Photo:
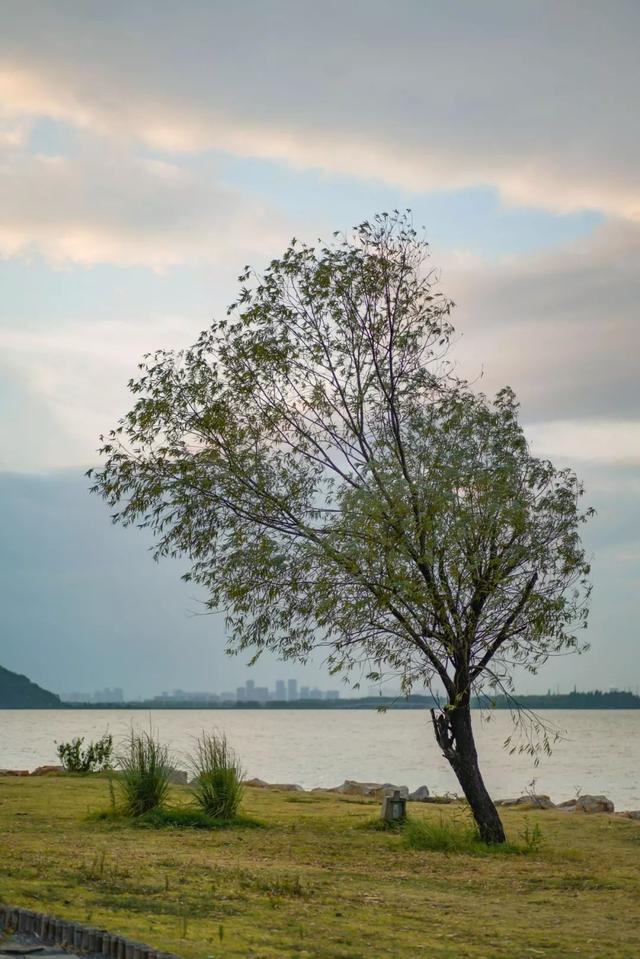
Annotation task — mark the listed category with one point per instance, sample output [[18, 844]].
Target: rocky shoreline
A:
[[588, 804], [350, 787]]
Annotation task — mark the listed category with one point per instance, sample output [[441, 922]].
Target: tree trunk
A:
[[455, 737]]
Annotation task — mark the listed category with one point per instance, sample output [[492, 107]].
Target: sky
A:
[[148, 150]]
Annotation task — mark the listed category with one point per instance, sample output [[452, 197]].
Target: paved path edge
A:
[[74, 936]]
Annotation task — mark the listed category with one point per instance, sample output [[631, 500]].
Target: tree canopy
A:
[[333, 484]]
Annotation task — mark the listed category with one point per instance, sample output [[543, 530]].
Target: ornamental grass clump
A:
[[217, 783], [145, 765]]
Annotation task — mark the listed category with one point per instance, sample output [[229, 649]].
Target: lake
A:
[[599, 751]]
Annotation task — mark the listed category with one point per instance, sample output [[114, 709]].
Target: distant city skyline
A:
[[282, 691]]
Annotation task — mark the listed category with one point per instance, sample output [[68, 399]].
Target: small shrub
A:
[[96, 757], [217, 786], [145, 765]]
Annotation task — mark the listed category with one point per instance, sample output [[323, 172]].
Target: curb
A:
[[75, 935]]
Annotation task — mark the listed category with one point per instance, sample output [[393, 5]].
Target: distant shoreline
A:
[[575, 700]]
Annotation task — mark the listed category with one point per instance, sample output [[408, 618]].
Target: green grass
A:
[[458, 836], [316, 884], [442, 835], [174, 817]]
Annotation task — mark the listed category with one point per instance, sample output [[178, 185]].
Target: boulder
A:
[[284, 787], [528, 802], [48, 771], [587, 804], [592, 804], [178, 777], [14, 772], [631, 814], [421, 794]]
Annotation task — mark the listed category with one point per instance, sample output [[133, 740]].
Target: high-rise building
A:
[[304, 692], [281, 690], [251, 691], [241, 694], [332, 694], [292, 688]]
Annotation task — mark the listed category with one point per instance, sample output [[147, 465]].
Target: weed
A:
[[531, 837], [281, 887]]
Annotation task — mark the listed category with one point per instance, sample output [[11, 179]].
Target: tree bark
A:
[[454, 735]]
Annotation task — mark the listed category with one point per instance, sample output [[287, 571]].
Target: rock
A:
[[588, 804], [284, 787], [48, 771], [14, 772], [593, 804], [528, 802], [350, 787], [388, 789], [178, 777], [630, 814], [421, 794]]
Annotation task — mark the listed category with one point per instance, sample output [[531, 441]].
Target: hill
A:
[[18, 692]]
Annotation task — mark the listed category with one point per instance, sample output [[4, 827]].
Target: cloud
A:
[[561, 327], [601, 441], [531, 98], [105, 206], [77, 372]]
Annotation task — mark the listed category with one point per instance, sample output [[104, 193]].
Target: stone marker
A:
[[394, 808]]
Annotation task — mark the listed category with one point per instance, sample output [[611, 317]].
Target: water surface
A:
[[600, 751]]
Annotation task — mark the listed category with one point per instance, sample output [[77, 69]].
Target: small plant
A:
[[217, 785], [531, 837], [96, 757], [145, 765]]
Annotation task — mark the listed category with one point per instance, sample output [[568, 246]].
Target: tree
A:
[[333, 484]]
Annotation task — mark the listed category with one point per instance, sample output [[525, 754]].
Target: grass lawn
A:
[[316, 882]]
